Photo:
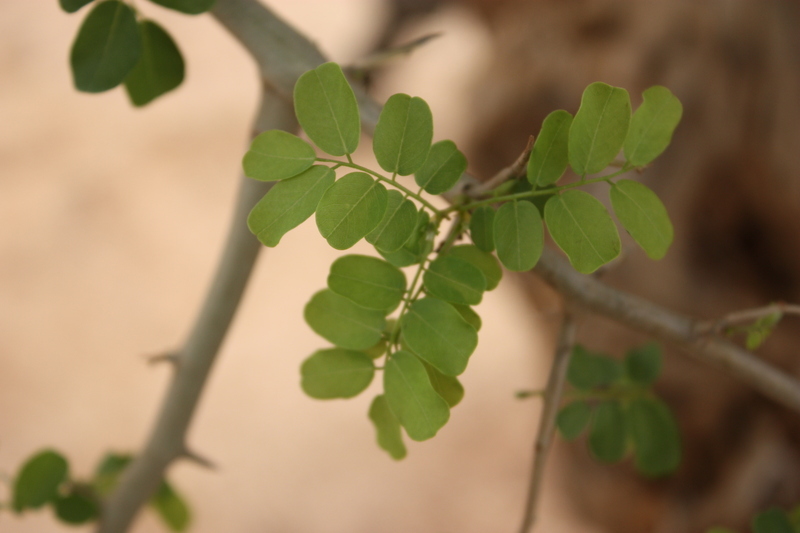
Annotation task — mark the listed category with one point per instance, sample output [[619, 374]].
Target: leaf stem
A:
[[406, 302]]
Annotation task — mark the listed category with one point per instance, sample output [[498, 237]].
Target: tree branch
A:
[[547, 422]]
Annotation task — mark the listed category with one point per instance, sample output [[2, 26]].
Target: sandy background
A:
[[111, 219]]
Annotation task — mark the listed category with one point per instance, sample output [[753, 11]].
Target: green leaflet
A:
[[607, 435], [599, 128], [71, 6], [588, 370], [454, 280], [643, 215], [443, 167], [652, 125], [38, 480], [397, 225], [481, 228], [288, 204], [573, 418], [448, 387], [655, 437], [171, 507], [518, 235], [336, 373], [485, 262], [342, 322], [76, 507], [583, 229], [350, 209], [773, 520], [106, 48], [189, 7], [276, 155], [472, 318], [436, 332], [643, 364], [403, 134], [327, 110], [549, 157], [159, 69], [416, 248], [387, 428], [368, 281], [411, 397], [108, 471]]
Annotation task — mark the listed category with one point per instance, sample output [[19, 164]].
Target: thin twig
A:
[[747, 315], [547, 422], [199, 460], [516, 170], [381, 57]]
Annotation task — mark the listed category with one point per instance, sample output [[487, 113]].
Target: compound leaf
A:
[[189, 7], [599, 128], [336, 373], [655, 436], [435, 331], [387, 427], [443, 167], [76, 507], [416, 248], [327, 110], [289, 203], [485, 262], [159, 69], [403, 134], [38, 480], [106, 48], [342, 322], [397, 225], [171, 507], [643, 364], [367, 281], [71, 6], [588, 370], [481, 228], [518, 235], [583, 229], [643, 215], [350, 209], [412, 398], [276, 155], [607, 435], [573, 418], [550, 157], [652, 125], [454, 280]]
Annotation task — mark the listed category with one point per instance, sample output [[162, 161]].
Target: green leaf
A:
[[108, 471], [588, 370], [454, 280], [403, 134], [550, 156], [412, 398], [655, 436], [607, 435], [71, 6], [599, 128], [76, 507], [518, 235], [342, 322], [773, 520], [416, 248], [435, 331], [643, 364], [171, 507], [485, 262], [448, 387], [573, 418], [442, 169], [38, 480], [643, 215], [289, 203], [106, 48], [327, 110], [350, 209], [189, 7], [652, 125], [472, 318], [336, 373], [481, 228], [387, 427], [583, 229], [277, 155], [159, 69], [397, 225], [368, 281]]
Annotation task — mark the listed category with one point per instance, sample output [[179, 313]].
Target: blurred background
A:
[[113, 217]]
